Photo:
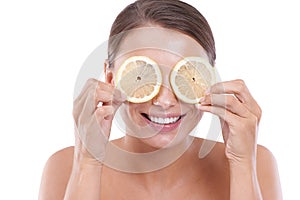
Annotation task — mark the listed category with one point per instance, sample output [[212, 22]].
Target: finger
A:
[[87, 109], [228, 102], [223, 113], [108, 94], [118, 96], [103, 93], [89, 83], [87, 92], [104, 113], [93, 139], [98, 122], [111, 97], [104, 86], [225, 129], [105, 97], [236, 87], [240, 90]]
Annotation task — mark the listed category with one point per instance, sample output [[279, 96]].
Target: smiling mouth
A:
[[162, 120]]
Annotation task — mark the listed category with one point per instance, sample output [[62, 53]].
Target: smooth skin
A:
[[236, 169]]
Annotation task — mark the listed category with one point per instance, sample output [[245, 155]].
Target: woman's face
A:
[[164, 120]]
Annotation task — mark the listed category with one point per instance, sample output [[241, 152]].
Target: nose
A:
[[165, 98]]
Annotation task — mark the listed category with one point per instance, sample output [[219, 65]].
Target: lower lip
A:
[[164, 127]]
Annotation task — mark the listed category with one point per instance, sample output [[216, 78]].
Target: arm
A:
[[255, 179], [243, 182], [84, 183], [92, 129], [240, 114], [268, 175]]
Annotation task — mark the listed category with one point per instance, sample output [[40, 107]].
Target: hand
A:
[[93, 122], [239, 114]]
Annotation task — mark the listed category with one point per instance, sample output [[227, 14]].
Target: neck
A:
[[120, 157], [173, 177], [164, 168]]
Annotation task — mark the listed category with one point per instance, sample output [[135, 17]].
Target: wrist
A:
[[247, 164], [87, 166], [83, 160], [243, 181], [244, 161], [84, 182], [245, 169]]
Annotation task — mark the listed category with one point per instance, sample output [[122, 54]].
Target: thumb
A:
[[225, 129]]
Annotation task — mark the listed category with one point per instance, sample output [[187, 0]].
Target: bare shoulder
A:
[[267, 170], [265, 160], [267, 173], [56, 174]]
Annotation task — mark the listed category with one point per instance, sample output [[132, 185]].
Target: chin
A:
[[164, 140]]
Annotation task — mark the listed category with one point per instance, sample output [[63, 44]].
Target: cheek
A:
[[192, 119], [133, 112], [197, 116], [132, 109]]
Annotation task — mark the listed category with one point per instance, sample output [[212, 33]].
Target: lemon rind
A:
[[156, 87], [175, 71]]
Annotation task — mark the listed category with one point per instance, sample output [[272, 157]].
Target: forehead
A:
[[165, 46]]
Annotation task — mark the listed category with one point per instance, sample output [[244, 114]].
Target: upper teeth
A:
[[160, 120]]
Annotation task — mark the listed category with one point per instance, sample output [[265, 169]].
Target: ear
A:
[[109, 75]]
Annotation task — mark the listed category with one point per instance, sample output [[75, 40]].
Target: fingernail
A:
[[201, 99], [198, 105]]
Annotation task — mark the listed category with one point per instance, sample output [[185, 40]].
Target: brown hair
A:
[[171, 14]]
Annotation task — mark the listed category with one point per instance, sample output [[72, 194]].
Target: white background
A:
[[43, 45]]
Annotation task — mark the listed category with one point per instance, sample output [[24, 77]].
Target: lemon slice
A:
[[190, 78], [139, 78]]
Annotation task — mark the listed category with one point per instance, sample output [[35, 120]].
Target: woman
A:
[[165, 31]]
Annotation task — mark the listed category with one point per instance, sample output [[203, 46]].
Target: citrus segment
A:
[[190, 78], [139, 78]]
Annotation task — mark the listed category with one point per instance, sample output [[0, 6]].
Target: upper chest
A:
[[212, 186]]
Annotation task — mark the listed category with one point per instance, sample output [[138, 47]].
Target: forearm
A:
[[244, 183], [84, 183]]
